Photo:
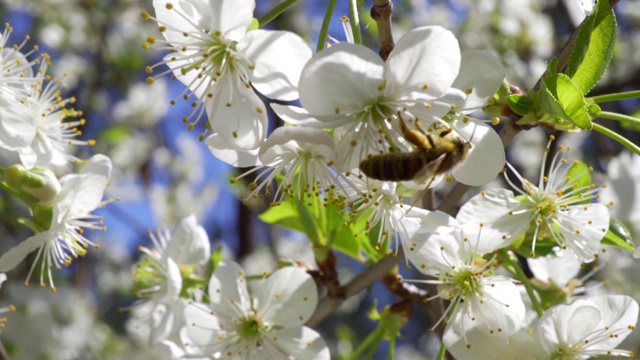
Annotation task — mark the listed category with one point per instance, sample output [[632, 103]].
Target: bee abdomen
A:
[[395, 166]]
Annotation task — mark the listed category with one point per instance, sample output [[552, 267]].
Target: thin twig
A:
[[381, 13]]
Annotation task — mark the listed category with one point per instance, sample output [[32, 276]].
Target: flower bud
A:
[[38, 185]]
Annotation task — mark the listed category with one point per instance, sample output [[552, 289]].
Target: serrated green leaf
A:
[[520, 104], [588, 65], [561, 98], [618, 235]]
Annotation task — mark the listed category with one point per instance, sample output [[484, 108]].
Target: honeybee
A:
[[434, 154]]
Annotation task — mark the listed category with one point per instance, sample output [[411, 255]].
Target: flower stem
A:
[[325, 25], [279, 9], [373, 338], [442, 352], [617, 137], [355, 21], [616, 97], [514, 268], [619, 117]]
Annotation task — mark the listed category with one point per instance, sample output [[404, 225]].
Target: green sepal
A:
[[42, 216], [254, 25], [618, 236], [579, 175]]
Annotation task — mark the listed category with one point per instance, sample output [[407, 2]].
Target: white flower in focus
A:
[[65, 238], [588, 328], [49, 113], [267, 324], [381, 203], [215, 56], [350, 88], [15, 69], [302, 156], [485, 309], [556, 208]]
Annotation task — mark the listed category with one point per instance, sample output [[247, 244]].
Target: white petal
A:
[[342, 78], [293, 140], [435, 244], [237, 114], [619, 314], [202, 332], [189, 244], [287, 298], [481, 329], [497, 211], [560, 269], [15, 255], [82, 193], [297, 343], [583, 226], [567, 324], [228, 295], [482, 72], [299, 116], [231, 17], [17, 126], [238, 158], [173, 19], [523, 346], [427, 55], [278, 57], [173, 284], [486, 157]]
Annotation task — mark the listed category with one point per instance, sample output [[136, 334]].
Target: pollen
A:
[[468, 91], [425, 86]]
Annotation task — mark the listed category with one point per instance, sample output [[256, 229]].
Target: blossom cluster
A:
[[40, 129], [366, 136], [369, 133]]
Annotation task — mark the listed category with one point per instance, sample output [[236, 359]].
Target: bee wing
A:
[[430, 171]]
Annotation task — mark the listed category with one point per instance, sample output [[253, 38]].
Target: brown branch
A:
[[328, 304], [381, 13]]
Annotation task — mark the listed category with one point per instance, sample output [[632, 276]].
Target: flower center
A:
[[250, 327]]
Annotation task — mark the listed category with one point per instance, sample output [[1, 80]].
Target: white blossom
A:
[[267, 324], [65, 239], [485, 309], [556, 208], [215, 56]]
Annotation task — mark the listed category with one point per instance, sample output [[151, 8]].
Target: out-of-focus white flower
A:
[[556, 208], [588, 327], [623, 191], [144, 106], [65, 240], [221, 62], [266, 324], [51, 326], [485, 309], [158, 276]]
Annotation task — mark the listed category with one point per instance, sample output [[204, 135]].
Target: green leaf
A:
[[588, 61], [618, 235], [561, 98], [114, 135], [579, 175], [520, 104], [324, 224]]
